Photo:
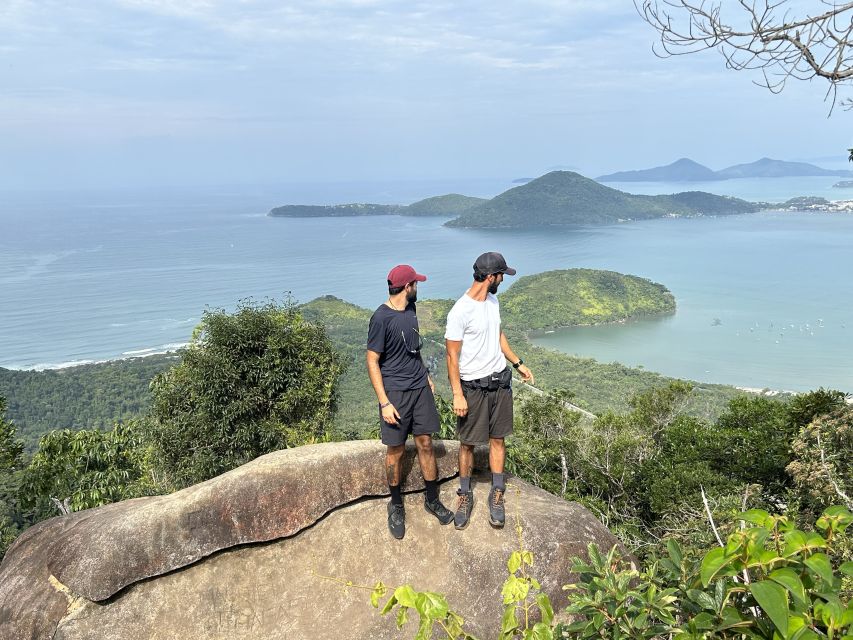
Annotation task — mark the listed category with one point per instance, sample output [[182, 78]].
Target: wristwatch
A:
[[382, 405], [516, 365]]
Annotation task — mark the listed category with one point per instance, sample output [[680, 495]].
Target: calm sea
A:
[[764, 300]]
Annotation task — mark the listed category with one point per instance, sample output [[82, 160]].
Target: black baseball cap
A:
[[492, 262]]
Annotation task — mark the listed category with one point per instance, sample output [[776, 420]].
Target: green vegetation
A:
[[644, 471], [452, 204], [770, 581], [11, 463], [249, 383], [77, 470], [335, 210], [92, 396], [803, 202], [581, 296], [568, 198]]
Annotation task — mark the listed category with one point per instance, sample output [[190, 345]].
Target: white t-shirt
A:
[[478, 326]]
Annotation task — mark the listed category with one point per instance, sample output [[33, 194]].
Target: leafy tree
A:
[[805, 407], [11, 448], [544, 436], [75, 470], [249, 383], [755, 433], [821, 467], [11, 459]]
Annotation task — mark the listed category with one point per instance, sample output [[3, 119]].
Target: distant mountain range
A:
[[559, 198], [686, 170]]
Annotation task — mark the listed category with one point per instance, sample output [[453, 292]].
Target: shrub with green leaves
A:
[[85, 469], [770, 581], [251, 382]]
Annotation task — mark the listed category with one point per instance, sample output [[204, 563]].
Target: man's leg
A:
[[426, 457], [429, 469], [396, 514], [500, 426], [497, 456], [393, 460], [466, 466], [465, 502]]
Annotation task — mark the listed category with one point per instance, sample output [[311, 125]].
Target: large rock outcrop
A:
[[249, 554]]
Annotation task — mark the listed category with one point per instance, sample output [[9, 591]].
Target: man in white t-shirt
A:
[[477, 351]]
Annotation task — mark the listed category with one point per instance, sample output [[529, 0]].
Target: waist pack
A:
[[491, 382]]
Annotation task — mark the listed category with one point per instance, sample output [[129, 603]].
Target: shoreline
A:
[[138, 354]]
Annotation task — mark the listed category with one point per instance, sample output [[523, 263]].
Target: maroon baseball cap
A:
[[403, 274]]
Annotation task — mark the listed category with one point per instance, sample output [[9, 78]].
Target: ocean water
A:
[[764, 300]]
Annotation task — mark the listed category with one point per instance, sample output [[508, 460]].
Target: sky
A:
[[129, 93]]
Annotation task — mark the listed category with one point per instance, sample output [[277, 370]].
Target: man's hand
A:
[[390, 415], [431, 384], [526, 374], [460, 405]]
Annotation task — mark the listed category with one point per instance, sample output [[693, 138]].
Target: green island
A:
[[655, 460], [564, 198], [451, 204]]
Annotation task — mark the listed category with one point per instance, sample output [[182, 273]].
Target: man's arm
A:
[[509, 354], [460, 404], [389, 412]]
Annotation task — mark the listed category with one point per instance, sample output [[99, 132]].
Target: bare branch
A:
[[765, 38], [710, 517]]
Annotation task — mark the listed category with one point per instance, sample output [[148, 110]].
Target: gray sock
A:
[[498, 481], [465, 484]]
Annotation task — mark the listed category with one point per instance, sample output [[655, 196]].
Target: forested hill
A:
[[568, 198], [587, 296], [451, 204], [92, 396]]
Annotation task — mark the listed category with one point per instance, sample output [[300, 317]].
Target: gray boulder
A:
[[260, 552]]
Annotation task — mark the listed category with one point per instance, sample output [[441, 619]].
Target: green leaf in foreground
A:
[[773, 600]]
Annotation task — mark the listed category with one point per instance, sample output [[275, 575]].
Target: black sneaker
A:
[[437, 509], [396, 520], [463, 508], [497, 515]]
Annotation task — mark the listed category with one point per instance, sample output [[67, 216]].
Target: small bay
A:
[[764, 300]]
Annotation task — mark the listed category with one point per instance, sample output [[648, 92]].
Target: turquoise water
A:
[[87, 277]]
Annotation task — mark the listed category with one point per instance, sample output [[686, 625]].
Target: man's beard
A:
[[493, 288], [412, 297]]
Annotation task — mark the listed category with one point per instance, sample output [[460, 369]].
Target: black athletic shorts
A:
[[418, 416], [489, 415]]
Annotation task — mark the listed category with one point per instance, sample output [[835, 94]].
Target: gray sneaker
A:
[[464, 505], [437, 509], [497, 515], [396, 520]]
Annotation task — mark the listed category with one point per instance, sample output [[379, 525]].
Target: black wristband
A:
[[516, 365]]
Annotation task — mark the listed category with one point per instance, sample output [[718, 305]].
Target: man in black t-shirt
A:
[[405, 392]]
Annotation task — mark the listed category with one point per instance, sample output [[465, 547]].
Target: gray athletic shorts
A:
[[489, 416], [418, 416]]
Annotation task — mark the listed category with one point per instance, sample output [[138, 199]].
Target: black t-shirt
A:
[[394, 335]]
